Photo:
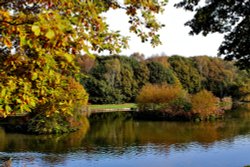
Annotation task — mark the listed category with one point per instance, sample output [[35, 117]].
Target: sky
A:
[[174, 36]]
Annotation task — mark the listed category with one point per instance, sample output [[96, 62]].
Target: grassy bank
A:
[[112, 106]]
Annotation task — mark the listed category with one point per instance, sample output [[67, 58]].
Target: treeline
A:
[[118, 79]]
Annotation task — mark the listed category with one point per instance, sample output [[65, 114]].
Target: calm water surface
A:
[[115, 140]]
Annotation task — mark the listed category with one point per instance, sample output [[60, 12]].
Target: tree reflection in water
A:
[[118, 134]]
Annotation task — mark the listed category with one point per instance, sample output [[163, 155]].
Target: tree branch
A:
[[16, 24]]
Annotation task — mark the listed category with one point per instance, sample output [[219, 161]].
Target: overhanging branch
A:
[[16, 24]]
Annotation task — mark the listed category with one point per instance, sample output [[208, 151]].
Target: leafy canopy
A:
[[39, 43], [230, 17]]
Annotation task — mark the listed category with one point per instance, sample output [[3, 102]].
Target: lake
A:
[[116, 140]]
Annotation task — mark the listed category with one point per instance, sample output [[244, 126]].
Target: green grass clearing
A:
[[113, 106]]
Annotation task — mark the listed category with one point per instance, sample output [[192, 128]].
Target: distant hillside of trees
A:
[[118, 79]]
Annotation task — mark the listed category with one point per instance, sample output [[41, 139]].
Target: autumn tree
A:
[[229, 17], [218, 76], [39, 42], [163, 97], [160, 59], [204, 108]]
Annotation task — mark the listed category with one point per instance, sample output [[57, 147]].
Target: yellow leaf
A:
[[68, 57], [3, 92], [36, 30], [32, 103], [34, 76], [50, 34], [7, 108]]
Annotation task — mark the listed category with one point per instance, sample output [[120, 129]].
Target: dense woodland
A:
[[119, 79]]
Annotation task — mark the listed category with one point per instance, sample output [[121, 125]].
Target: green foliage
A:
[[118, 79], [128, 85], [240, 90], [181, 104], [104, 80], [218, 76], [186, 73], [101, 92], [134, 75], [228, 17], [244, 92], [115, 79], [139, 70], [159, 73]]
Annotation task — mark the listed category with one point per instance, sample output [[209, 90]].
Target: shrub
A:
[[204, 104], [161, 97], [181, 104]]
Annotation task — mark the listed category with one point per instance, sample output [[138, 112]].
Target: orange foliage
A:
[[160, 59], [159, 94], [204, 103]]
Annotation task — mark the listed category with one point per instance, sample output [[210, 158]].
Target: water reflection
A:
[[116, 139], [121, 133], [14, 142]]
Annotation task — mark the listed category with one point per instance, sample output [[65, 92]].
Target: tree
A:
[[138, 56], [115, 79], [218, 76], [204, 108], [104, 80], [38, 71], [230, 17], [241, 89], [187, 74], [159, 73], [100, 92], [160, 59]]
